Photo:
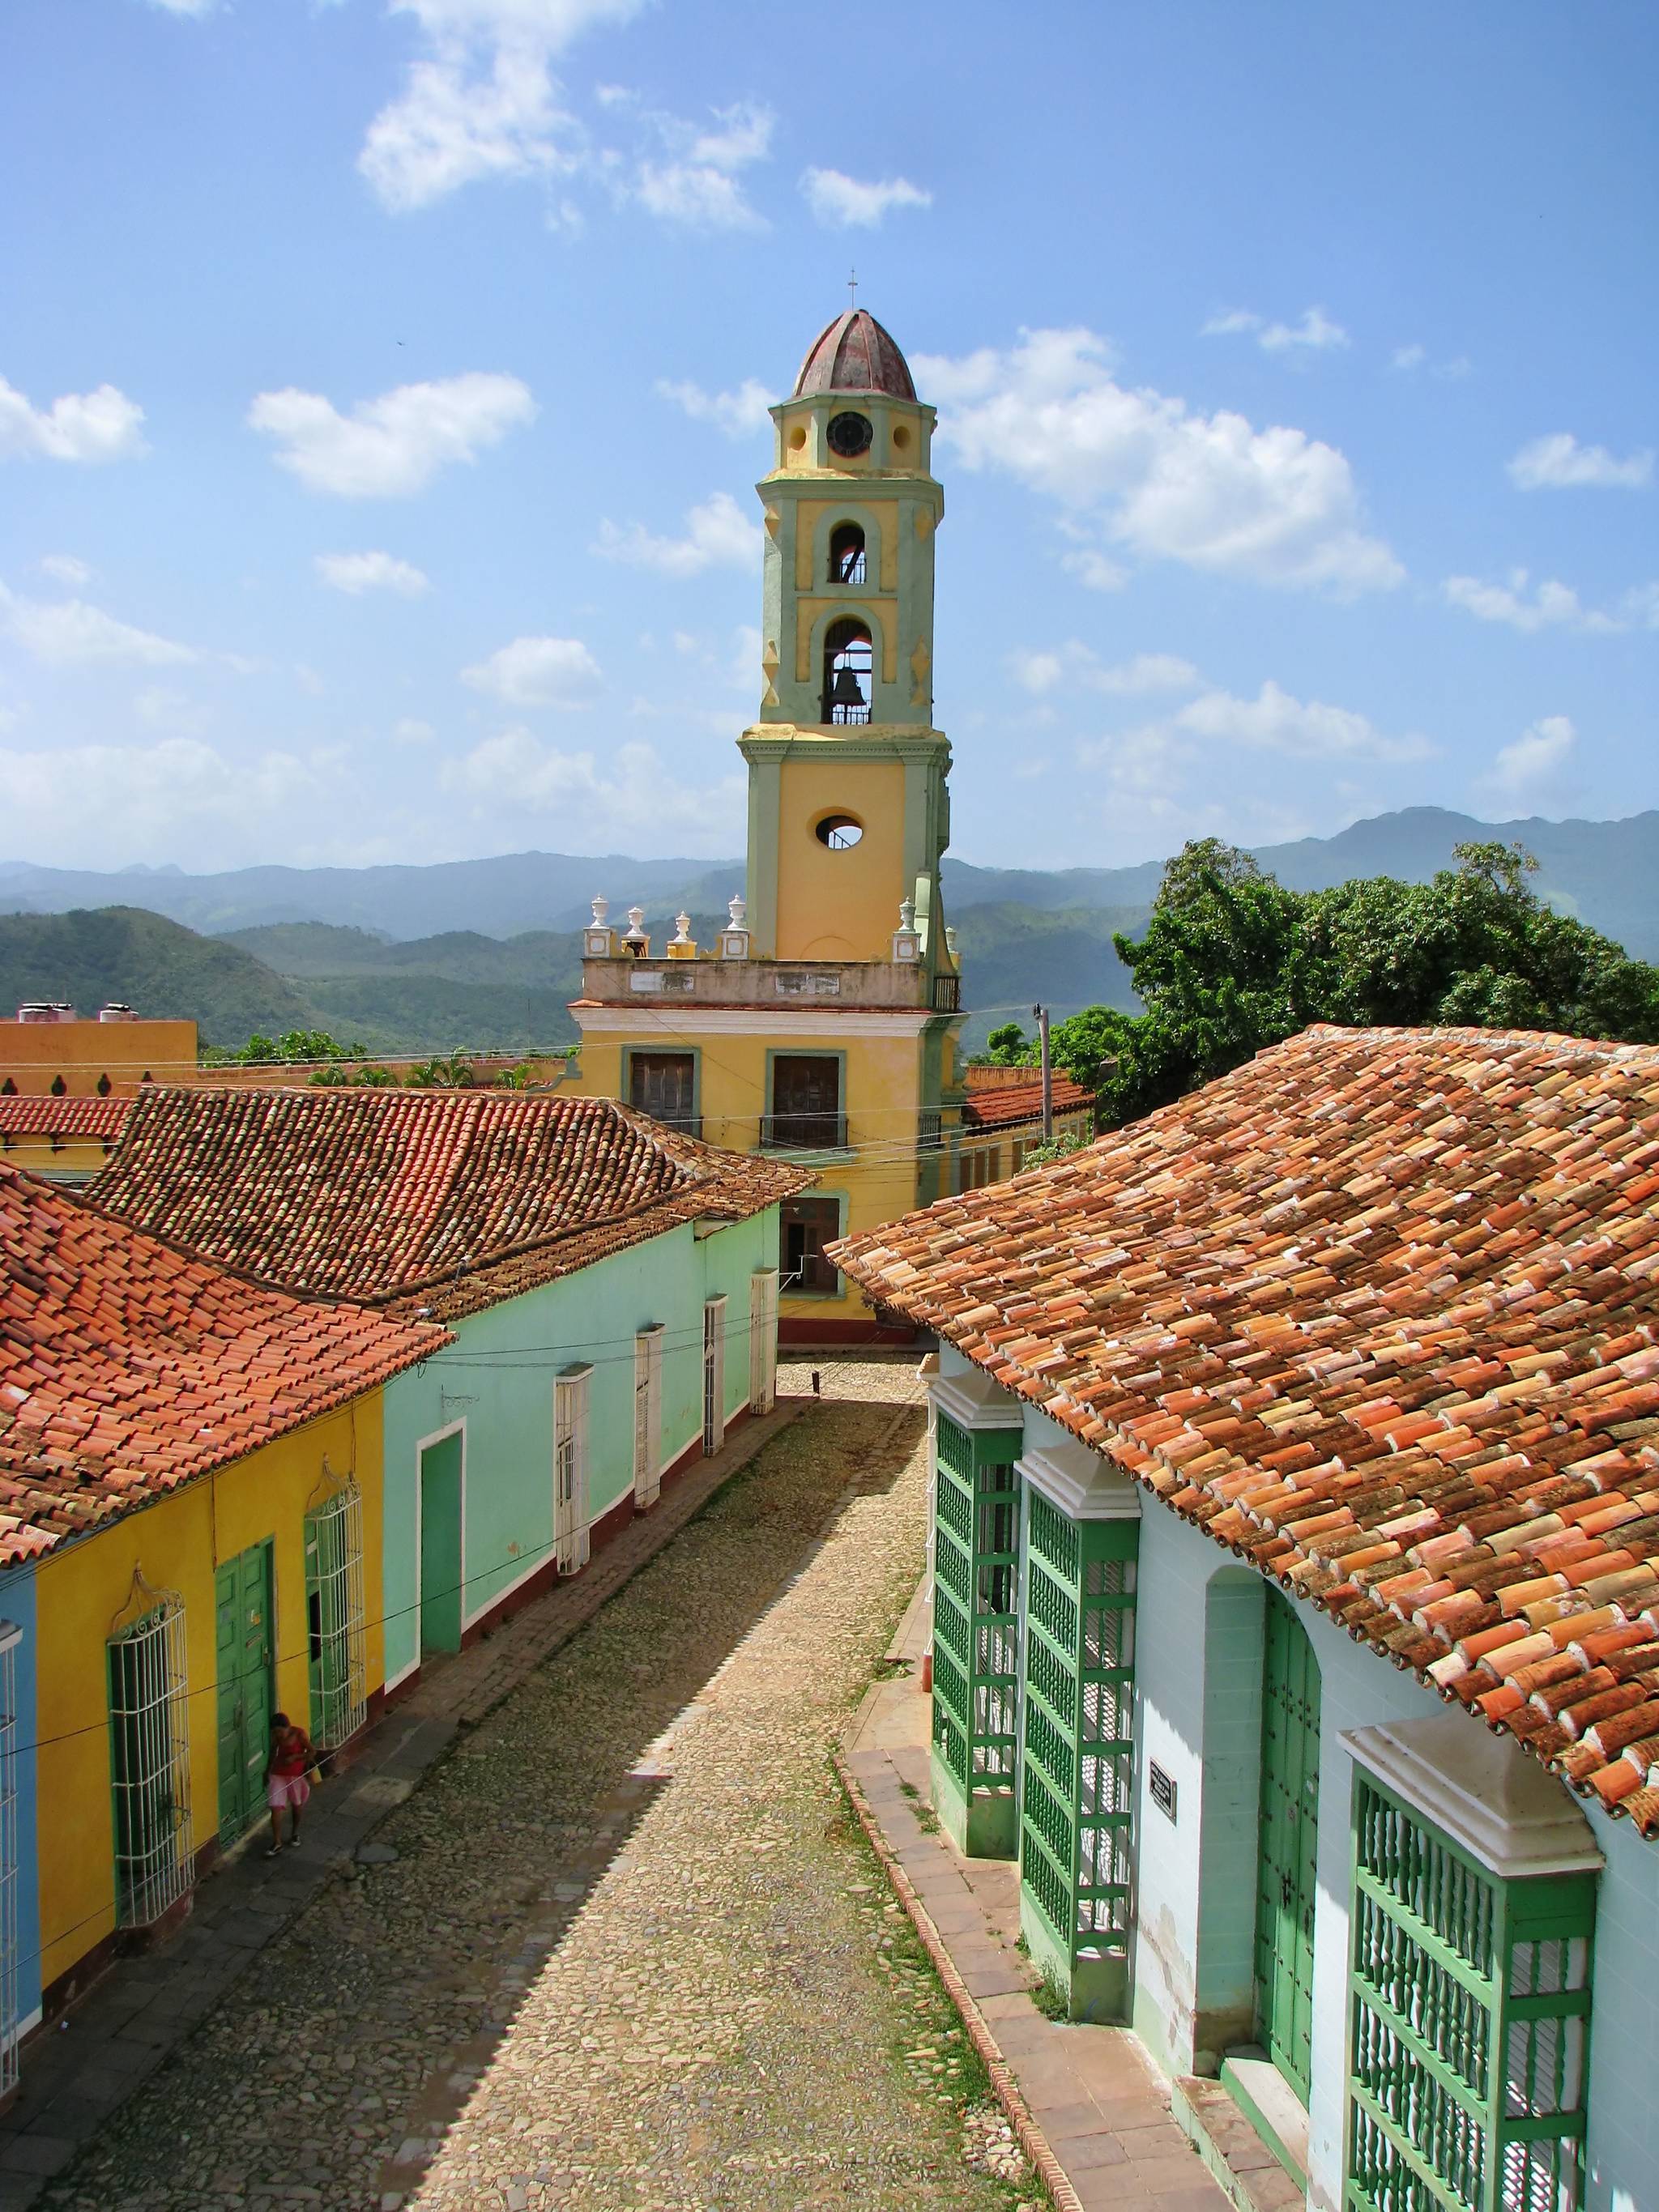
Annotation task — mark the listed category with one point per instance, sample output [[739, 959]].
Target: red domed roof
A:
[[854, 354]]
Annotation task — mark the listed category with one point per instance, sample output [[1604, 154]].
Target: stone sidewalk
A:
[[1094, 2117], [77, 2074]]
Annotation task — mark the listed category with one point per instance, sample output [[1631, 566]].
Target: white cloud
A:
[[1551, 606], [1315, 331], [538, 672], [1274, 722], [1091, 568], [68, 633], [596, 802], [1410, 358], [1640, 607], [67, 568], [113, 804], [1076, 666], [370, 572], [1561, 463], [1531, 768], [81, 426], [185, 7], [393, 446], [413, 732], [481, 99], [716, 533], [739, 414], [843, 202], [699, 186], [1155, 477]]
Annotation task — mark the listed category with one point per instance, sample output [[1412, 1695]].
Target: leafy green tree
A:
[[1232, 962], [1007, 1047]]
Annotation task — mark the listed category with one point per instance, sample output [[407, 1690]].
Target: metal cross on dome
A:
[[852, 286]]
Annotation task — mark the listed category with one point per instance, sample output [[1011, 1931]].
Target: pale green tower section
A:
[[844, 748]]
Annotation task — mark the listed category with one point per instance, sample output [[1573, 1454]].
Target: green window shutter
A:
[[1077, 1801], [1470, 1998], [975, 1632]]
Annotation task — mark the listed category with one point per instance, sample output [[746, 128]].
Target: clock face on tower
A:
[[850, 435]]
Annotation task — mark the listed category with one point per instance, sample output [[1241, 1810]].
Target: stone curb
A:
[[1032, 2140]]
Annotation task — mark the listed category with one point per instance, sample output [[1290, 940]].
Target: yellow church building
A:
[[823, 1021]]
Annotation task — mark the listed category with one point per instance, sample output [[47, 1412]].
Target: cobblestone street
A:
[[623, 1948]]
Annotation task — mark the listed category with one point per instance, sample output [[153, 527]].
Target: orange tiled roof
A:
[[39, 1115], [127, 1367], [1380, 1312], [447, 1201], [988, 1108]]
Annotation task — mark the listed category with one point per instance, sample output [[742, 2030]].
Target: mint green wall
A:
[[504, 1361]]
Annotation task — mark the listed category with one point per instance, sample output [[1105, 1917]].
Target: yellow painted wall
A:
[[883, 1090], [840, 905], [71, 1155], [32, 1053], [179, 1542]]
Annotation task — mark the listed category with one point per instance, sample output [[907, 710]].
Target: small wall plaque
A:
[[1162, 1788]]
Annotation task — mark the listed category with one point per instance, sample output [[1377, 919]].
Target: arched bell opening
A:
[[848, 671], [847, 562]]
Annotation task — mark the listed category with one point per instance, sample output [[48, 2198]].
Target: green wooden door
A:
[[1289, 1820], [243, 1621]]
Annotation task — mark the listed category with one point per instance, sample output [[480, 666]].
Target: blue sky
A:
[[381, 397]]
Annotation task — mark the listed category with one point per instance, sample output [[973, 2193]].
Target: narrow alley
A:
[[620, 1948]]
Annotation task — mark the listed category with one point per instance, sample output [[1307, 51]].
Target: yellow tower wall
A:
[[85, 1589], [839, 905]]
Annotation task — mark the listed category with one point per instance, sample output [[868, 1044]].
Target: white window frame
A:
[[714, 1375], [570, 1437], [147, 1886], [763, 1339], [648, 1415], [345, 1615]]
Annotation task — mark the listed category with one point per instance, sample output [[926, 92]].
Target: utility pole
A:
[[1041, 1014]]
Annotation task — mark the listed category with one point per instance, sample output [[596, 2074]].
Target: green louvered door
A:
[[242, 1607], [1289, 1819]]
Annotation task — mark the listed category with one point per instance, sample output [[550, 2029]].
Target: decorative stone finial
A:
[[601, 911], [738, 907], [907, 914], [682, 929], [636, 917], [951, 939]]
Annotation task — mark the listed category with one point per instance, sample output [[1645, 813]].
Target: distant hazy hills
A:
[[351, 949]]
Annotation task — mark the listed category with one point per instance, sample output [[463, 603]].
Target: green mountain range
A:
[[345, 950]]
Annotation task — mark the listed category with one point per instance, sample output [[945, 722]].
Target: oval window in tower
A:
[[840, 832]]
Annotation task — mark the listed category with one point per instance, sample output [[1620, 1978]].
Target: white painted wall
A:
[[1624, 2129]]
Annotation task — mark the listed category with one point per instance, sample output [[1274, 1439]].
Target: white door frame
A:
[[763, 1339], [714, 1375]]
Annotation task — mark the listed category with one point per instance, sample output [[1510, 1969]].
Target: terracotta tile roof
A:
[[441, 1201], [127, 1367], [1007, 1105], [1380, 1312], [39, 1115]]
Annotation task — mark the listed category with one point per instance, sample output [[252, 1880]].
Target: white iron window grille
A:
[[11, 1637], [763, 1339], [648, 1415], [570, 1535], [149, 1758], [336, 1616], [713, 1376]]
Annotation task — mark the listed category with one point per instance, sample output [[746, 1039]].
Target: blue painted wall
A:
[[496, 1385], [17, 1605]]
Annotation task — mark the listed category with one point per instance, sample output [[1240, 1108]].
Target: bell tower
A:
[[849, 812]]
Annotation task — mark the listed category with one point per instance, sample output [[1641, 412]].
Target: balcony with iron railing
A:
[[707, 980]]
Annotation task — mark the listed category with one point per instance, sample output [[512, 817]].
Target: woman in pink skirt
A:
[[285, 1779]]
